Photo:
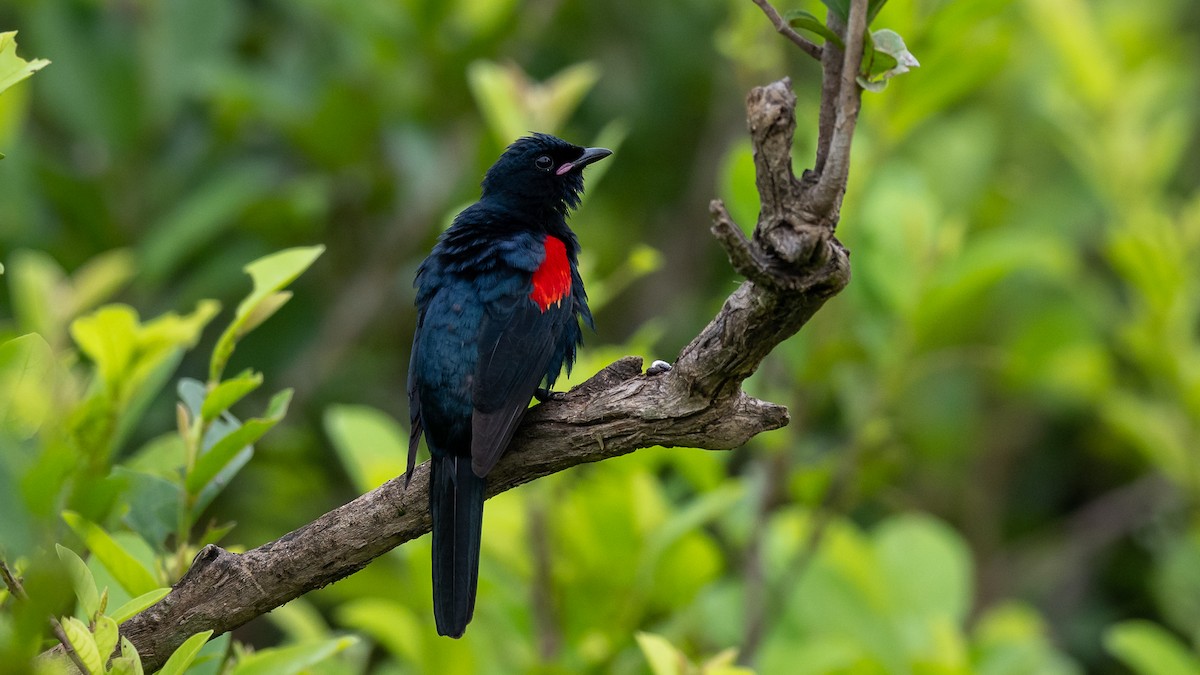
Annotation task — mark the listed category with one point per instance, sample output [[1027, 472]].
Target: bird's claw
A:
[[658, 368], [543, 394]]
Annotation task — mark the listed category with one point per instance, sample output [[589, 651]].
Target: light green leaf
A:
[[512, 103], [106, 636], [494, 90], [927, 567], [108, 337], [1149, 649], [123, 566], [211, 659], [36, 280], [138, 604], [290, 660], [663, 657], [300, 621], [723, 663], [99, 278], [128, 651], [388, 623], [229, 392], [263, 311], [126, 352], [13, 68], [884, 56], [182, 658], [84, 645], [81, 579], [26, 369], [269, 275], [552, 103], [371, 445], [209, 464]]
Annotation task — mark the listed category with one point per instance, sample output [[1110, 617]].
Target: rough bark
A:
[[792, 263]]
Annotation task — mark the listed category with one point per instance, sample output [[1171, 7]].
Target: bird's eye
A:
[[544, 163]]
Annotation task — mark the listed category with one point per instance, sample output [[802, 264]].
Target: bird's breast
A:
[[552, 278]]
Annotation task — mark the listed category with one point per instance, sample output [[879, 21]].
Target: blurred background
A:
[[993, 464]]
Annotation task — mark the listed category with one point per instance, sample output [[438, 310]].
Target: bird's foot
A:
[[658, 368], [542, 394]]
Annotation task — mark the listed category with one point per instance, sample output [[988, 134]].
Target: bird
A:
[[500, 308]]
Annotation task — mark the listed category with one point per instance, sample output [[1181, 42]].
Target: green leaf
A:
[[798, 18], [371, 445], [269, 275], [124, 567], [209, 464], [926, 565], [13, 68], [663, 657], [154, 503], [229, 392], [290, 660], [26, 370], [211, 659], [128, 353], [84, 644], [842, 8], [884, 56], [81, 579], [109, 338], [263, 311], [36, 281], [99, 278], [390, 624], [182, 658], [139, 604], [128, 651], [512, 103], [1150, 649], [106, 636]]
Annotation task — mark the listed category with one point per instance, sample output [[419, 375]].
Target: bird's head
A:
[[540, 172]]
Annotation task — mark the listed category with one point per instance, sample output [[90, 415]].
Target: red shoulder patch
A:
[[552, 279]]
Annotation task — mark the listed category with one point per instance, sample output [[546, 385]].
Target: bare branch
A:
[[831, 185], [810, 48]]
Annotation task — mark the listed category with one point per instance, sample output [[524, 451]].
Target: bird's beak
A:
[[589, 155]]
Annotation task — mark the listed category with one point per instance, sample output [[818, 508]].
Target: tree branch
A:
[[794, 263], [833, 173], [810, 48]]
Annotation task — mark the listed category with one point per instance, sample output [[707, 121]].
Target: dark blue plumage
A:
[[499, 301]]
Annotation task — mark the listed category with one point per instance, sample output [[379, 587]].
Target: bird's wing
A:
[[518, 339]]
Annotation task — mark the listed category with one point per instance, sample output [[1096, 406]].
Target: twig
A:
[[810, 48], [18, 592], [831, 184]]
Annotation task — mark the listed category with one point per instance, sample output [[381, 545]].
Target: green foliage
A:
[[1147, 648], [1003, 403], [13, 68], [160, 490]]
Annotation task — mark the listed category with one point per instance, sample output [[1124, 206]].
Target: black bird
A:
[[499, 303]]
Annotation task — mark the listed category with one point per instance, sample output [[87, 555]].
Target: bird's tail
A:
[[456, 504]]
